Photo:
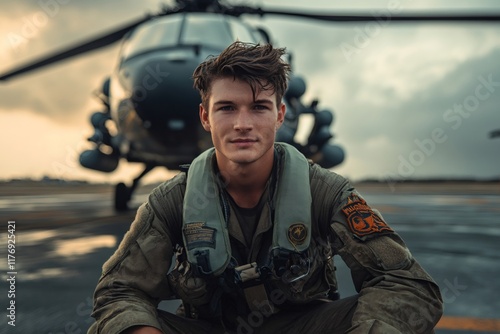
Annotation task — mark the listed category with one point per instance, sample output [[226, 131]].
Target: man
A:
[[256, 226]]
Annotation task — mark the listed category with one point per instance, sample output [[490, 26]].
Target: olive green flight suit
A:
[[395, 294]]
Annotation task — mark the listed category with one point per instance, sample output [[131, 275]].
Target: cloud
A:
[[393, 90], [462, 147], [38, 28]]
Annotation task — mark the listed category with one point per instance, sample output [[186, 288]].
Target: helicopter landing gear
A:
[[123, 194]]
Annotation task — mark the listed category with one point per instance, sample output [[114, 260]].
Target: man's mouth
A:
[[243, 140]]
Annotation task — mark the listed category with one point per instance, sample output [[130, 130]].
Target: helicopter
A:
[[149, 95]]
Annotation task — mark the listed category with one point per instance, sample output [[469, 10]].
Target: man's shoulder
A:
[[320, 176], [175, 186], [166, 200]]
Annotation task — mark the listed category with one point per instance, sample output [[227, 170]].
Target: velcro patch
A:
[[361, 219], [199, 235], [297, 234]]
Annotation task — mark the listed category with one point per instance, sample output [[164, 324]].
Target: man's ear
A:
[[204, 118], [281, 115]]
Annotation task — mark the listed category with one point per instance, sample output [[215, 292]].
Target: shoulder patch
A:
[[361, 219]]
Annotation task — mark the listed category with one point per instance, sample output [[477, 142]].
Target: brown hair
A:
[[260, 66]]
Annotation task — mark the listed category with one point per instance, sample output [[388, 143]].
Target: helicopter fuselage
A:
[[152, 99]]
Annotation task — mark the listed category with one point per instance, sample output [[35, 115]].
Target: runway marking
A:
[[475, 324]]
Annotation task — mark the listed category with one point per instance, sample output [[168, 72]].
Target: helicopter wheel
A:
[[122, 196]]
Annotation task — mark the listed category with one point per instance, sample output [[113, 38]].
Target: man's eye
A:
[[226, 108], [260, 107]]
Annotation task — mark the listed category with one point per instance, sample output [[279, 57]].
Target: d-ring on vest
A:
[[205, 232]]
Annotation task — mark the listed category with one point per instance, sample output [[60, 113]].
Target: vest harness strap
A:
[[205, 233]]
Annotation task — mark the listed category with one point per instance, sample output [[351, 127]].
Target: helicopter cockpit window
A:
[[162, 32], [203, 29], [241, 32]]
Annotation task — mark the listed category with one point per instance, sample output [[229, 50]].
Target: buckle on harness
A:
[[297, 271], [251, 279], [250, 274], [203, 260], [290, 266], [246, 273]]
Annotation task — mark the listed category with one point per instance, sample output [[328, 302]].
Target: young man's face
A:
[[242, 129]]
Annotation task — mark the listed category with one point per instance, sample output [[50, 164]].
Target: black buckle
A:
[[203, 263], [290, 266]]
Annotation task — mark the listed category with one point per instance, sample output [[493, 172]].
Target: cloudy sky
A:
[[410, 100]]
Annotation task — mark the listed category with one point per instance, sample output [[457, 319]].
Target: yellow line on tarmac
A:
[[474, 324]]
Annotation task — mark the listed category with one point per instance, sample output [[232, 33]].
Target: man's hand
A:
[[142, 330]]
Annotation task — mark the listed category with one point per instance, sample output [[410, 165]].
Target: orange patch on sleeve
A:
[[361, 219]]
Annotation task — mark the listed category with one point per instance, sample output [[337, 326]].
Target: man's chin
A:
[[243, 158]]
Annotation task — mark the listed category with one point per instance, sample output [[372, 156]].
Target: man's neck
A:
[[246, 182]]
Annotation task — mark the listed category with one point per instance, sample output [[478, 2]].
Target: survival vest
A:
[[205, 218]]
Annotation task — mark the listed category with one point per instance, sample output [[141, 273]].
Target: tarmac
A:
[[65, 232]]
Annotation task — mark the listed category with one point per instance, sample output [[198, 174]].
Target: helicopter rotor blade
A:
[[91, 45], [117, 34], [410, 17]]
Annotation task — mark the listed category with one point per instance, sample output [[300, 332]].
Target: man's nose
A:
[[243, 121]]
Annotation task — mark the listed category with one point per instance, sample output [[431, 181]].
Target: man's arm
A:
[[134, 279], [396, 295]]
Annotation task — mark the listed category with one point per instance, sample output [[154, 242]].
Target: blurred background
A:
[[389, 86], [412, 101]]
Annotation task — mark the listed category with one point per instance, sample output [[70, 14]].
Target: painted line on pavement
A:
[[474, 324]]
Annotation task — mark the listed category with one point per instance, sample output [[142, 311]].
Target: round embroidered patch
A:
[[297, 234]]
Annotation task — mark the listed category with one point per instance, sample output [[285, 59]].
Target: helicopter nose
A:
[[150, 78], [163, 94]]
